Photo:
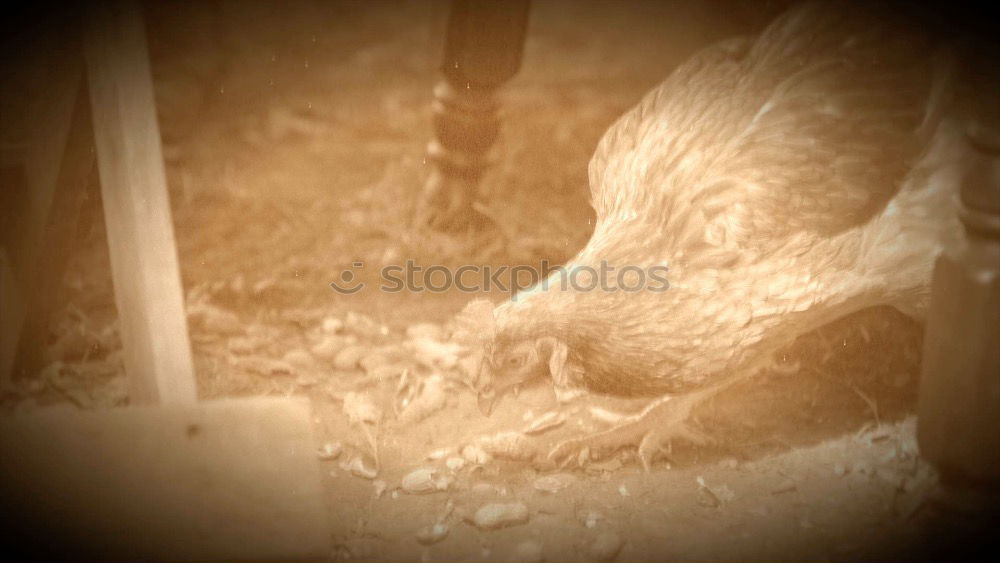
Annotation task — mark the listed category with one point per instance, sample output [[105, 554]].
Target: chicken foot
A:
[[652, 431]]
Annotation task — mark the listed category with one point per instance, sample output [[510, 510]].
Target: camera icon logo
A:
[[346, 279]]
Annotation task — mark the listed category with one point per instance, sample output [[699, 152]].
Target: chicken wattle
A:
[[785, 180]]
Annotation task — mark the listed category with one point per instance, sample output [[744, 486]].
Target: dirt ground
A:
[[295, 137]]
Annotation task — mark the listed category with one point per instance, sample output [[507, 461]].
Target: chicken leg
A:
[[651, 431]]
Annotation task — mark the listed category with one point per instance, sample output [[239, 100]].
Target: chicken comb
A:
[[475, 323]]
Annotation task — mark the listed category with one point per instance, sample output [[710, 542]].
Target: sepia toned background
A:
[[294, 136]]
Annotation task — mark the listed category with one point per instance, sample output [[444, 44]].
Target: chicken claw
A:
[[651, 431]]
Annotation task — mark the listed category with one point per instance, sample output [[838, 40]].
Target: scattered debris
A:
[[864, 468], [263, 365], [298, 358], [349, 357], [330, 450], [434, 354], [371, 362], [212, 319], [327, 347], [364, 326], [785, 488], [591, 519], [429, 331], [359, 409], [608, 465], [500, 515], [357, 467], [606, 546], [527, 551], [429, 399], [484, 489], [432, 534], [424, 480], [475, 454], [362, 412], [242, 346], [508, 445], [554, 483], [714, 497], [546, 422], [332, 325], [440, 453]]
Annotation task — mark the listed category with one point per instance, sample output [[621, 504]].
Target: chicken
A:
[[785, 180]]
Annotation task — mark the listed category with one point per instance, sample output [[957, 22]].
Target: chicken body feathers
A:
[[768, 174]]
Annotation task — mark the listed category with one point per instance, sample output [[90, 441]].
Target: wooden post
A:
[[72, 188], [144, 264], [57, 158], [483, 50]]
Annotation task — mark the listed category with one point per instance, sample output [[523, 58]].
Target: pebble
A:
[[592, 518], [330, 450], [554, 483], [242, 346], [425, 330], [298, 358], [424, 480], [373, 361], [483, 489], [221, 321], [388, 371], [261, 331], [432, 534], [508, 445], [475, 454], [358, 468], [306, 380], [606, 546], [363, 325], [263, 285], [455, 463], [349, 357], [440, 453], [332, 325], [528, 551], [500, 515], [431, 399], [380, 487], [360, 409], [327, 347], [434, 354]]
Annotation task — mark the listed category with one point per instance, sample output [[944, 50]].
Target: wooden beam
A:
[[144, 264], [57, 240], [231, 480], [56, 158]]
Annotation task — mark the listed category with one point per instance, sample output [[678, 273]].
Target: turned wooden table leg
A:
[[959, 405], [482, 51]]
